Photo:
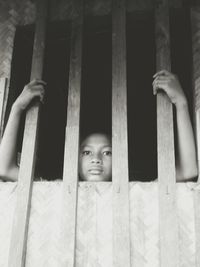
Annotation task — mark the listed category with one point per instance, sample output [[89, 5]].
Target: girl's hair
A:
[[86, 134]]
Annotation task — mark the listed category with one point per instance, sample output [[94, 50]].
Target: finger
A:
[[40, 95], [37, 92], [162, 72], [158, 81], [162, 85], [37, 81], [162, 79], [154, 83], [155, 89], [39, 88], [42, 98]]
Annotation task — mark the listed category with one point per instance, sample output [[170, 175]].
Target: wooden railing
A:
[[195, 24], [27, 165], [70, 174], [165, 147]]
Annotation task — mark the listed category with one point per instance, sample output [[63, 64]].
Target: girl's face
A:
[[95, 158]]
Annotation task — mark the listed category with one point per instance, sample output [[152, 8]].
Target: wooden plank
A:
[[26, 173], [195, 28], [120, 177], [3, 102], [165, 146], [70, 174], [195, 24]]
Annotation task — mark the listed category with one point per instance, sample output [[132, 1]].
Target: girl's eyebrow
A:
[[85, 146], [90, 146], [107, 146]]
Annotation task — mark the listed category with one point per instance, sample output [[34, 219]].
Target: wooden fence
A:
[[123, 247]]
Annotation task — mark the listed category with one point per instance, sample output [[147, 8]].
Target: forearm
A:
[[186, 161], [8, 146]]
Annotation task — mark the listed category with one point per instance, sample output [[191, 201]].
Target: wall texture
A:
[[16, 12], [95, 226]]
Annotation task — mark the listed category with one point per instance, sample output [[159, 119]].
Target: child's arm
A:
[[8, 147], [186, 161]]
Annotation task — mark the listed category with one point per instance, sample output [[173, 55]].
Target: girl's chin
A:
[[95, 178]]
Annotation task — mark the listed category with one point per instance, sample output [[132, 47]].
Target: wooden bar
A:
[[195, 28], [165, 143], [3, 101], [195, 24], [70, 174], [120, 177], [26, 173]]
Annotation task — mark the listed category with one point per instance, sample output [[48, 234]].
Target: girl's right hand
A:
[[32, 90], [170, 84]]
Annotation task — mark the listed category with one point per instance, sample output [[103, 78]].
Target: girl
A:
[[95, 157]]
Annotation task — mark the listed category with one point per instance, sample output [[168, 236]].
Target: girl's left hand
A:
[[169, 83]]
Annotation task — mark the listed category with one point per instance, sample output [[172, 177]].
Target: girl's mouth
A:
[[96, 170]]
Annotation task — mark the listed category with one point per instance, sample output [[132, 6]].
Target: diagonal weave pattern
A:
[[12, 13], [62, 9], [7, 202], [144, 224], [94, 224], [186, 226]]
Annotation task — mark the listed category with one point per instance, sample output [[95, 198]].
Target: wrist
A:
[[16, 108], [181, 104]]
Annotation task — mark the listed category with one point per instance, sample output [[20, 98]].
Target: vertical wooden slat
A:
[[165, 142], [195, 24], [21, 215], [3, 86], [120, 178], [70, 174]]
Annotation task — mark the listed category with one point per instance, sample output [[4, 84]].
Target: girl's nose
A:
[[96, 160]]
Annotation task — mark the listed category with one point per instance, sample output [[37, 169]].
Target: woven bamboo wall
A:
[[62, 9], [94, 227], [16, 12], [12, 13]]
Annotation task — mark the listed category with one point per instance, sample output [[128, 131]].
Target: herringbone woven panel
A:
[[94, 226], [12, 13], [43, 247], [144, 224], [186, 225], [7, 202]]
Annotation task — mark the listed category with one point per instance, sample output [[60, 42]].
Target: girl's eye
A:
[[107, 153], [86, 153]]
